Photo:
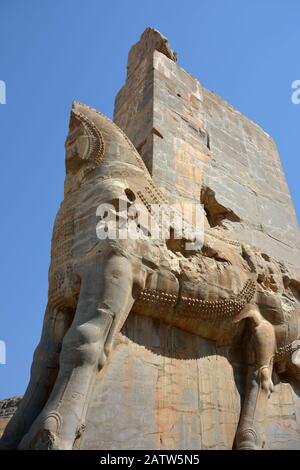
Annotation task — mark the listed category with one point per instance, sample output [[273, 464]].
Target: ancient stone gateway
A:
[[146, 344]]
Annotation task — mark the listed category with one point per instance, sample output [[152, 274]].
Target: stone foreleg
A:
[[259, 384], [106, 294], [44, 371]]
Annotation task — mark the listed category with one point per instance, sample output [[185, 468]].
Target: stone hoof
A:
[[247, 440], [44, 440], [45, 435]]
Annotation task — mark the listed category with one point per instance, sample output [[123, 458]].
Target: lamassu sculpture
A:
[[226, 292]]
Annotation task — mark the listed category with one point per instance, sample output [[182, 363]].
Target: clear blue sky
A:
[[52, 52]]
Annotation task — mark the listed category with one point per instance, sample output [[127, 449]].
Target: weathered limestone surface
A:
[[145, 344]]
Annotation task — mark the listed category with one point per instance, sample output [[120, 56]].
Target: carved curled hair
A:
[[96, 142]]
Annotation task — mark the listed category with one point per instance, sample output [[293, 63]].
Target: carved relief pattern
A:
[[213, 310]]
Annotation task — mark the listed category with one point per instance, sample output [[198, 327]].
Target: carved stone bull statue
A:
[[225, 291]]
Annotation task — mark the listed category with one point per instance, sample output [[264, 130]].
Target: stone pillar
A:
[[160, 109], [198, 147]]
